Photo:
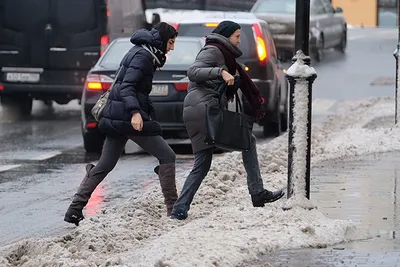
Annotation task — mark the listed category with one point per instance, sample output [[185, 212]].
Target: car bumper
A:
[[39, 90], [168, 114]]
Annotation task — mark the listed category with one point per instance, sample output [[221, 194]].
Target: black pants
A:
[[113, 147], [112, 151]]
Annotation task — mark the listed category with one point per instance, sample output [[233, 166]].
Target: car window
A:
[[276, 6], [84, 15], [317, 8], [247, 45], [328, 6], [185, 53]]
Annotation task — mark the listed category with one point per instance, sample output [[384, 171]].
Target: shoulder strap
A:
[[120, 68]]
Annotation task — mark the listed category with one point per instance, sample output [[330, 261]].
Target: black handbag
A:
[[228, 130]]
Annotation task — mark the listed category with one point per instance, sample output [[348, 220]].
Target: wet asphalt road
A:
[[42, 159]]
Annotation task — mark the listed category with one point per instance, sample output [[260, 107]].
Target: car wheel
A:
[[19, 105], [93, 142], [343, 43], [273, 128], [319, 52], [284, 120], [285, 113], [48, 103]]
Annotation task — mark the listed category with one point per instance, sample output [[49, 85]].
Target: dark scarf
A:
[[247, 86]]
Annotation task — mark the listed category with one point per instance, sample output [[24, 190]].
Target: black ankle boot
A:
[[179, 216], [157, 169], [266, 196], [73, 216]]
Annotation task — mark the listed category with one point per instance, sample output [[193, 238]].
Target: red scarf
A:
[[247, 86]]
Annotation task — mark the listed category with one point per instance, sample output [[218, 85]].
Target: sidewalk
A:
[[364, 190]]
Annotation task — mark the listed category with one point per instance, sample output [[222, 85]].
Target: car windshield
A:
[[185, 53], [276, 6]]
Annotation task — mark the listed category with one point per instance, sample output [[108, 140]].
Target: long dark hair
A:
[[167, 32]]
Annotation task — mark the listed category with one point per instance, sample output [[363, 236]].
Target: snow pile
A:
[[300, 69], [364, 128], [222, 229]]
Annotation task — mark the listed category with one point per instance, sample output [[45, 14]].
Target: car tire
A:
[[48, 103], [343, 43], [285, 120], [17, 105], [285, 113], [93, 142], [273, 128]]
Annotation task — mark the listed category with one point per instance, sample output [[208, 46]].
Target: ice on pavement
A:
[[223, 229]]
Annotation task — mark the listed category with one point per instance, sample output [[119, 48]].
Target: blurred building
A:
[[370, 13]]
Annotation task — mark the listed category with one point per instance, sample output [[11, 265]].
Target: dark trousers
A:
[[202, 164], [113, 147], [112, 150]]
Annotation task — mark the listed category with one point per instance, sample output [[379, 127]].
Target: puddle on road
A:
[[366, 191]]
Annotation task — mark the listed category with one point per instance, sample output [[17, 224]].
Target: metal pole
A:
[[301, 77], [302, 26], [396, 55]]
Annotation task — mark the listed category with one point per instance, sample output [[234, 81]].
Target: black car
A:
[[259, 59], [48, 46], [168, 92]]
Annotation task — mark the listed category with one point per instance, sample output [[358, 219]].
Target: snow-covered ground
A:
[[223, 229]]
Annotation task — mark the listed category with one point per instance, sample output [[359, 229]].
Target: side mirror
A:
[[156, 19], [339, 10]]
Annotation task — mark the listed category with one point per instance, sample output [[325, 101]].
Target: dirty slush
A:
[[223, 229]]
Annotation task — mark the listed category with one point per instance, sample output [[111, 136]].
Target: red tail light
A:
[[91, 125], [95, 82], [181, 86], [1, 87], [104, 41], [260, 42]]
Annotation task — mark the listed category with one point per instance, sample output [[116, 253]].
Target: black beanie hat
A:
[[226, 28], [166, 32]]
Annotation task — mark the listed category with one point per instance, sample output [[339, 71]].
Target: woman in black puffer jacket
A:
[[129, 114]]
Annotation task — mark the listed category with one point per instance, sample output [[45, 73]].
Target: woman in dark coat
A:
[[129, 114], [217, 61]]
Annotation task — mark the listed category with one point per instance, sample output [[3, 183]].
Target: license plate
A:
[[23, 77], [159, 90]]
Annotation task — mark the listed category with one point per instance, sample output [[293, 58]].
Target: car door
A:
[[320, 21], [331, 22], [338, 25], [75, 29], [23, 40], [274, 71]]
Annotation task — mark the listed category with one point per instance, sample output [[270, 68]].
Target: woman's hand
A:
[[137, 121], [228, 78]]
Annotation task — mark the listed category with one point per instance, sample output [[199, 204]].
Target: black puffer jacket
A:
[[130, 93]]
